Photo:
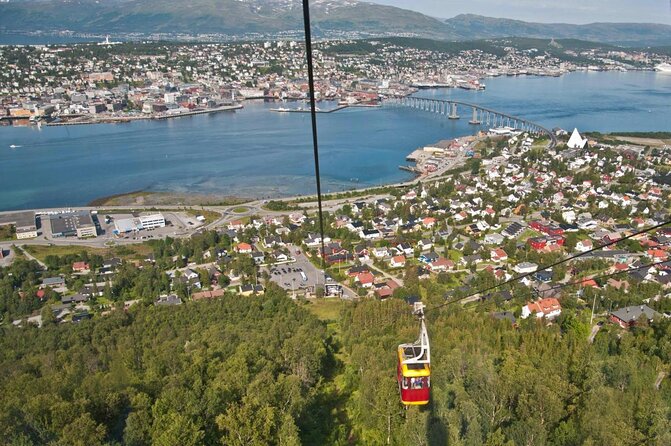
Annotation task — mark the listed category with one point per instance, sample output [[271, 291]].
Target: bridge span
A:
[[479, 115]]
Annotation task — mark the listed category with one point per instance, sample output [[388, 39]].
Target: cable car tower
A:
[[414, 365]]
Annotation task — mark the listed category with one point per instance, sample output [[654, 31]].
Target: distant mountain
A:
[[469, 26], [330, 18], [232, 17]]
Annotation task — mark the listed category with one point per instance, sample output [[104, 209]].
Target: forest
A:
[[267, 371]]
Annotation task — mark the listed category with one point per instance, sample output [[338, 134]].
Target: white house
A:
[[525, 268]]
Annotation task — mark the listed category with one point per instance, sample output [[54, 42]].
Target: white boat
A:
[[14, 146], [663, 68]]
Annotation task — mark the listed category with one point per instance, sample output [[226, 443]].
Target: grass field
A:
[[126, 252], [327, 309], [42, 251], [7, 232], [240, 209], [210, 216]]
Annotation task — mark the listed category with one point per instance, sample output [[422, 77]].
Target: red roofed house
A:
[[81, 267], [208, 294], [236, 225], [397, 262], [365, 279], [656, 254], [548, 308], [589, 283], [244, 248], [441, 264], [498, 255], [429, 222]]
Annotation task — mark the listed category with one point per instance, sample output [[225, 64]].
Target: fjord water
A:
[[257, 153]]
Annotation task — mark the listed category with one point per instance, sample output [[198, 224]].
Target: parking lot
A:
[[289, 277], [175, 225]]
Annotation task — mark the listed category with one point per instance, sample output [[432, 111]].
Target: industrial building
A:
[[78, 224], [24, 223], [135, 224]]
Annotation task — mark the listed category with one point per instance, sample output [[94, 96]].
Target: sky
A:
[[565, 11]]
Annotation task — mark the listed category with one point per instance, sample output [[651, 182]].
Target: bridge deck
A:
[[407, 101]]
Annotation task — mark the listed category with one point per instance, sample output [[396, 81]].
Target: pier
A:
[[480, 115], [307, 110]]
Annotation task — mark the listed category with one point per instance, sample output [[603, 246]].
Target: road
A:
[[385, 274], [595, 330], [660, 378]]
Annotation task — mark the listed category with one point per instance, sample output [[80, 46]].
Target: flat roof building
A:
[[78, 224], [134, 224], [24, 222]]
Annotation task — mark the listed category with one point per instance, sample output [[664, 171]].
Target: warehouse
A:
[[78, 224]]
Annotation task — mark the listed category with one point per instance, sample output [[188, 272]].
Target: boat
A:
[[664, 68], [280, 109], [14, 146]]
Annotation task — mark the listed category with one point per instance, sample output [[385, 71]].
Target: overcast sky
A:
[[567, 11]]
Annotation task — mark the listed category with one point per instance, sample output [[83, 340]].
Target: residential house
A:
[[441, 265], [81, 267], [548, 308], [170, 300], [584, 245], [628, 316], [498, 255], [493, 239], [53, 282], [208, 294], [525, 268], [365, 279], [425, 244], [259, 257], [248, 290], [244, 248], [397, 261]]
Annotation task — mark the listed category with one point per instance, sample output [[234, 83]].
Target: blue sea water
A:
[[257, 153]]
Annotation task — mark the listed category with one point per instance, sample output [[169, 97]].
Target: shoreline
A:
[[168, 198], [127, 119]]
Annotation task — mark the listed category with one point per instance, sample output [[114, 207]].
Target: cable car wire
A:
[[545, 268], [583, 280], [313, 116]]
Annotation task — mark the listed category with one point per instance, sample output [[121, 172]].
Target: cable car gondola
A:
[[414, 366]]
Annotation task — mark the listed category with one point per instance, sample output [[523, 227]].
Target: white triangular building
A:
[[576, 141]]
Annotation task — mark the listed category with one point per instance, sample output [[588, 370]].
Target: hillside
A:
[[263, 371], [469, 26], [230, 17], [252, 18]]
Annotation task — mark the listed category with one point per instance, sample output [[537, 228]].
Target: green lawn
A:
[[42, 251], [240, 209], [126, 252], [326, 309], [210, 216], [7, 232]]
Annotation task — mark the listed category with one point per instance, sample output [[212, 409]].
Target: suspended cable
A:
[[313, 116], [545, 268], [585, 279]]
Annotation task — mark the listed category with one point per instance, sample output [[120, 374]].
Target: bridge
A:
[[479, 115]]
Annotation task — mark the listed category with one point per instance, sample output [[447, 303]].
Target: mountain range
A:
[[330, 18]]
